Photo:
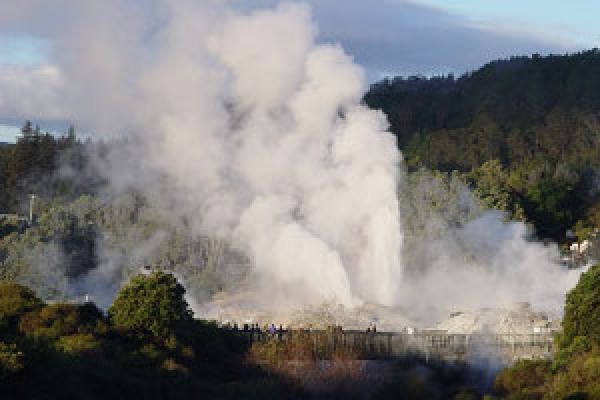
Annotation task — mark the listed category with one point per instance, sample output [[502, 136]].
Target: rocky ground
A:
[[241, 308]]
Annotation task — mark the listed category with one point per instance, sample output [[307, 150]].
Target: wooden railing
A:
[[425, 344]]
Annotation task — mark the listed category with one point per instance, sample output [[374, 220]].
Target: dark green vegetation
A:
[[58, 351], [32, 165], [575, 371], [149, 347], [525, 132]]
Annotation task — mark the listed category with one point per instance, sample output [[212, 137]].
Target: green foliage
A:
[[524, 378], [70, 351], [575, 370], [524, 130], [580, 377], [494, 188], [56, 320], [509, 110], [151, 304], [31, 162], [79, 344], [550, 195], [582, 309], [16, 300], [11, 360]]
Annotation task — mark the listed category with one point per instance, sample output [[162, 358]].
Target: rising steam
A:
[[263, 140]]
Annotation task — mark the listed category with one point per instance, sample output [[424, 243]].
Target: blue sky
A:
[[390, 37], [403, 37], [22, 49], [8, 133], [525, 24], [576, 20]]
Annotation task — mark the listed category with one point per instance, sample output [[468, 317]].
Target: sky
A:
[[22, 49], [387, 37], [8, 133], [574, 21]]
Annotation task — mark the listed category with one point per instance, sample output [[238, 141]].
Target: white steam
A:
[[260, 130], [263, 139]]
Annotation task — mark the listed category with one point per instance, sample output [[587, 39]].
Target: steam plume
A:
[[263, 140]]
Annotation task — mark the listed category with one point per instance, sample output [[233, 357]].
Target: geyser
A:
[[259, 130], [250, 131]]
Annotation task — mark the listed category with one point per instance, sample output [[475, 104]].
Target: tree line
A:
[[31, 164], [525, 131]]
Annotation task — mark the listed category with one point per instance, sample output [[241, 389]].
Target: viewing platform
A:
[[429, 345]]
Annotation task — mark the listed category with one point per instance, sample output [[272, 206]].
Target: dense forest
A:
[[524, 131]]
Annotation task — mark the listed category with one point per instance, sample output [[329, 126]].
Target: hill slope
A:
[[510, 110]]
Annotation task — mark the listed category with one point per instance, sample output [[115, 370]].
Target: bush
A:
[[582, 309], [16, 300], [11, 359], [79, 344], [575, 371], [172, 365], [56, 320], [577, 345], [525, 375], [579, 378], [151, 305], [298, 346]]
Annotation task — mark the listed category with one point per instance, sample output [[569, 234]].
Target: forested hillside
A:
[[40, 163], [526, 132]]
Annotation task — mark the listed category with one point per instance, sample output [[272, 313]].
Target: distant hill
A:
[[523, 132], [510, 110]]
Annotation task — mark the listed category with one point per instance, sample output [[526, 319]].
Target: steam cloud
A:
[[263, 139]]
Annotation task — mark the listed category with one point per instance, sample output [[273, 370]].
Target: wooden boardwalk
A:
[[430, 345]]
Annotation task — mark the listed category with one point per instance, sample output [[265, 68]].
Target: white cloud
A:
[[405, 37], [27, 91]]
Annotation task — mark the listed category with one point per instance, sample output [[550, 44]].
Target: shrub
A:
[[151, 305], [566, 352], [79, 344], [173, 366], [57, 320], [16, 300], [524, 375], [581, 375], [582, 309], [152, 352], [11, 359]]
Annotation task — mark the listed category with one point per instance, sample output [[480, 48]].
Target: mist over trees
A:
[[524, 130], [520, 136], [451, 132]]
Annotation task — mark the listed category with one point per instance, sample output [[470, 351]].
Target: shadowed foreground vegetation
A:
[[149, 346]]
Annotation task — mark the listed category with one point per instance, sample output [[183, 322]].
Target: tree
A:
[[492, 186], [16, 300], [56, 320], [151, 305], [582, 310]]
